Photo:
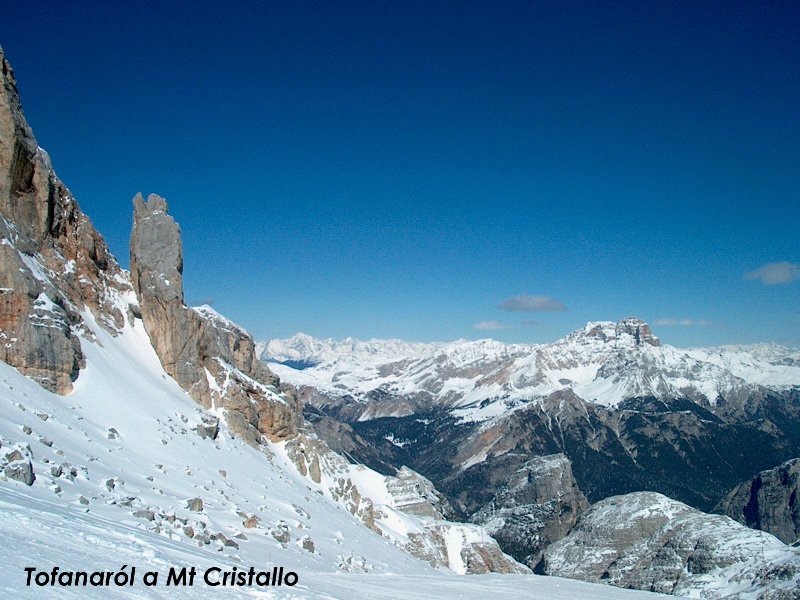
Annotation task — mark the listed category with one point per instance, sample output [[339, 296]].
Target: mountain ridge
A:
[[604, 362], [153, 432]]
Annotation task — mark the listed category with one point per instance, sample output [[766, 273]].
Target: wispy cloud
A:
[[682, 322], [525, 303], [490, 325], [530, 323], [775, 273]]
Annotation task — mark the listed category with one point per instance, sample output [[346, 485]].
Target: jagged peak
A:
[[628, 331], [153, 204]]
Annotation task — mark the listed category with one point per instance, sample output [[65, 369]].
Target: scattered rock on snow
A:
[[20, 470], [281, 532], [251, 522], [209, 428], [147, 515]]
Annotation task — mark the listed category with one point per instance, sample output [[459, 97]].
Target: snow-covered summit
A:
[[631, 331]]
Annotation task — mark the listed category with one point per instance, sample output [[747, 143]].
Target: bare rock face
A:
[[414, 494], [638, 329], [647, 541], [53, 263], [539, 505], [461, 548], [411, 500], [210, 357], [768, 502]]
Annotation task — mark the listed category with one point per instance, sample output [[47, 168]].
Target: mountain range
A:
[[522, 438], [606, 363], [137, 431]]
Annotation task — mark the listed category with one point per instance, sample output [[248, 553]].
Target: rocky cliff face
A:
[[539, 505], [55, 268], [61, 288], [415, 495], [56, 271], [638, 330], [649, 542], [768, 502], [211, 358], [405, 509]]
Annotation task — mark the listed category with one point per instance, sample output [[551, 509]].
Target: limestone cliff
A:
[[56, 272], [54, 265], [537, 506], [768, 502], [210, 357]]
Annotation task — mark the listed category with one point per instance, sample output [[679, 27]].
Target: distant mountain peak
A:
[[628, 331]]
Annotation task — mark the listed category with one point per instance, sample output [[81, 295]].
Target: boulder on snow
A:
[[209, 428], [281, 532], [20, 470], [147, 515], [250, 522]]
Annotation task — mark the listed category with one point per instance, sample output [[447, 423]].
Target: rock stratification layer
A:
[[53, 263], [211, 358]]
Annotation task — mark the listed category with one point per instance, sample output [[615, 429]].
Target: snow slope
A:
[[117, 462], [34, 528]]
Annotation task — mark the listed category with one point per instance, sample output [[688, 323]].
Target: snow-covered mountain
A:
[[604, 363], [648, 541], [122, 472], [623, 412], [139, 433]]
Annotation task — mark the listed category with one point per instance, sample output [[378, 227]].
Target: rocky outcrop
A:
[[210, 357], [464, 549], [649, 542], [331, 472], [638, 330], [53, 263], [407, 510], [630, 329], [17, 465], [56, 271], [414, 494], [768, 502], [539, 505]]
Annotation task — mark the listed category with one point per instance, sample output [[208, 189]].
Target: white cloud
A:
[[682, 323], [531, 323], [490, 325], [775, 273], [525, 303]]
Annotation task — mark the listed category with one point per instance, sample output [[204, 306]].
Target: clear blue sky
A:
[[402, 169]]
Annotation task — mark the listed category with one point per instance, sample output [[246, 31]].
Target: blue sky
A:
[[417, 169]]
